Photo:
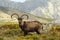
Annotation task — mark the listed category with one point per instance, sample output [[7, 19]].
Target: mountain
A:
[[51, 8], [26, 6], [49, 12], [10, 11], [46, 9]]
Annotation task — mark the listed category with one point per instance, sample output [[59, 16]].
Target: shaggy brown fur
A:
[[31, 26]]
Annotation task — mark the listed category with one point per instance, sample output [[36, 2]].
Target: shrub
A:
[[1, 38]]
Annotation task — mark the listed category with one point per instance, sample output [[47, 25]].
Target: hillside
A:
[[49, 12], [6, 19], [12, 33], [10, 11], [26, 6]]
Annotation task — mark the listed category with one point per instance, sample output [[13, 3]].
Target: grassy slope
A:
[[5, 19], [13, 32]]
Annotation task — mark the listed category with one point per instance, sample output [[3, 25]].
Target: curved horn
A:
[[25, 15], [15, 14]]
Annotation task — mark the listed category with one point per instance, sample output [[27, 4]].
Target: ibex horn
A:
[[25, 15], [15, 14]]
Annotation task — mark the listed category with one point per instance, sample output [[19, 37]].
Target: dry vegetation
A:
[[13, 32]]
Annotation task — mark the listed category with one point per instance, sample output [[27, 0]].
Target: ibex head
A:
[[21, 17]]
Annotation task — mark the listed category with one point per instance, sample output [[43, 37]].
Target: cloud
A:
[[19, 1]]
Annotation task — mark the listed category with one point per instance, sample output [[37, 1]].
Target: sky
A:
[[22, 1]]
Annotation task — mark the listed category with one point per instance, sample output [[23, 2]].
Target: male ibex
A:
[[28, 26]]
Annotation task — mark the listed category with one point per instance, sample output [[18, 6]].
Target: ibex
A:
[[28, 26]]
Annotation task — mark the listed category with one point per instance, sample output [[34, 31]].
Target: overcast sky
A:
[[19, 0]]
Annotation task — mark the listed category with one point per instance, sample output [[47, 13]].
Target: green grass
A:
[[13, 32]]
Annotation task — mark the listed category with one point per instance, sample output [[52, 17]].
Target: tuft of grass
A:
[[15, 33], [1, 38]]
